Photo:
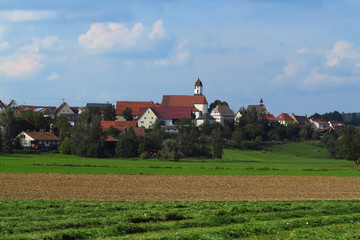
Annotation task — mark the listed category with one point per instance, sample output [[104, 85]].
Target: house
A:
[[270, 118], [100, 106], [221, 113], [285, 119], [70, 112], [200, 120], [2, 106], [117, 124], [43, 141], [133, 105], [197, 102], [259, 108], [46, 111], [300, 119], [336, 124], [15, 108], [319, 124], [123, 126], [167, 115]]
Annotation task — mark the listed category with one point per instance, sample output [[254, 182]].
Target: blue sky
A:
[[299, 56]]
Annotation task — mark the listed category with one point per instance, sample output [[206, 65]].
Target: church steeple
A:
[[198, 87]]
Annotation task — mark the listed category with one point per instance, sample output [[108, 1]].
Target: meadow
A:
[[53, 219], [59, 219], [291, 159]]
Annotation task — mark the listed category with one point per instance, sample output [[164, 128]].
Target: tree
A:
[[65, 146], [86, 135], [306, 132], [127, 146], [127, 114], [61, 127], [8, 133], [109, 114], [36, 120], [217, 144], [112, 131], [216, 103], [170, 149], [349, 144], [187, 137]]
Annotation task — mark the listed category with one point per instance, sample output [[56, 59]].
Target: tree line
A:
[[252, 131]]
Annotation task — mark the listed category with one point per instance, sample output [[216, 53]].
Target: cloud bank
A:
[[314, 69]]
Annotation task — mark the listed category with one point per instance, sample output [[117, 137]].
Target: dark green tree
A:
[[86, 135], [217, 144], [36, 120], [128, 144], [187, 137], [306, 132], [61, 127], [349, 144], [65, 146], [206, 128], [112, 131], [216, 103], [8, 133], [170, 149], [109, 114], [127, 114]]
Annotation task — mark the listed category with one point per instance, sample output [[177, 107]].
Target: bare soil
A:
[[176, 187]]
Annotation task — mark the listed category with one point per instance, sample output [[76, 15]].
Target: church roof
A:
[[182, 100], [198, 83], [133, 105]]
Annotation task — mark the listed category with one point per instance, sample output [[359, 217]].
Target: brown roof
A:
[[182, 100], [320, 121], [223, 110], [259, 108], [300, 119], [139, 131], [110, 138], [198, 83], [42, 136], [133, 105]]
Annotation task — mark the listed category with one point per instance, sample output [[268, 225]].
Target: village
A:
[[143, 115]]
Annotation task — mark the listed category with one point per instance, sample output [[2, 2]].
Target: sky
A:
[[299, 56]]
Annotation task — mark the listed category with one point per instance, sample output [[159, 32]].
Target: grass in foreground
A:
[[292, 159], [54, 219]]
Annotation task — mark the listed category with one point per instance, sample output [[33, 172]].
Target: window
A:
[[144, 117]]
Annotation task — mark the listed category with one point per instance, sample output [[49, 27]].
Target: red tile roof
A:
[[118, 124], [284, 117], [169, 112], [133, 105], [182, 100], [110, 138], [42, 136], [270, 117], [139, 131]]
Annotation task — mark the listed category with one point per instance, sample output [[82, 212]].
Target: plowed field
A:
[[176, 187]]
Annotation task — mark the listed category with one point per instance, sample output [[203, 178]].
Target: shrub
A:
[[65, 146]]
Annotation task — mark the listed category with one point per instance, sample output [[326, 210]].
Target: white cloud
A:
[[54, 76], [19, 15], [47, 43], [20, 65], [181, 56], [158, 30], [321, 68], [104, 36]]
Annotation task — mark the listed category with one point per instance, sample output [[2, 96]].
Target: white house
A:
[[167, 115], [222, 113], [43, 141]]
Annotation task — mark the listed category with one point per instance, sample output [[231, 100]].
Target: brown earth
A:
[[176, 187]]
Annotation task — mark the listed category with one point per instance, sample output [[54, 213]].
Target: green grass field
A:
[[35, 219], [292, 159], [55, 219]]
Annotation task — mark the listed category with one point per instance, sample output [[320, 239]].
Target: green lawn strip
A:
[[82, 220], [290, 159]]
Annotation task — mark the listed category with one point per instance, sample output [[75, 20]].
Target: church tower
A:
[[198, 88]]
